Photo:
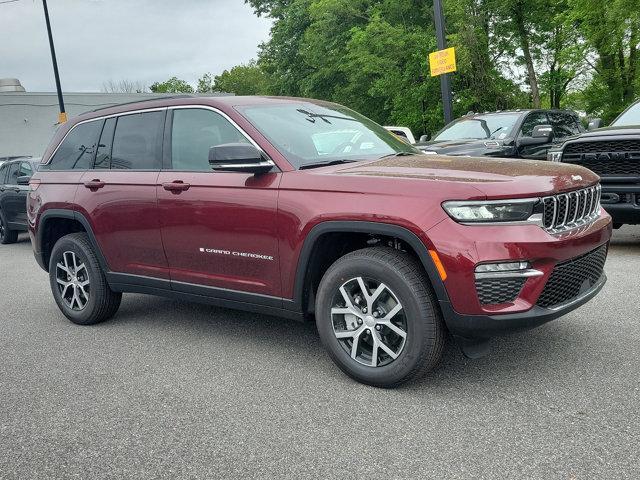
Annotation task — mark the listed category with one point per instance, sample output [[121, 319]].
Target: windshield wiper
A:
[[398, 154], [311, 117], [325, 164]]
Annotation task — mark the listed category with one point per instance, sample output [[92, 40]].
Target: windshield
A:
[[630, 117], [480, 127], [306, 133]]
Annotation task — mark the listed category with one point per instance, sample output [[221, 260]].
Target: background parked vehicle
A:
[[614, 154], [512, 134], [14, 186], [404, 133]]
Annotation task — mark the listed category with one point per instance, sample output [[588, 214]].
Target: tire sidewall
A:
[[417, 317], [67, 244]]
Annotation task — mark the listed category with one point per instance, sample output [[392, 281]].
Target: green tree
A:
[[247, 79], [173, 85]]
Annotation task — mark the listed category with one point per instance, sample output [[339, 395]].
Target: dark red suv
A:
[[300, 208]]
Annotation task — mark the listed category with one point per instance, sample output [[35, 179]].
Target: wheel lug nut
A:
[[376, 314], [368, 331], [378, 327], [359, 321], [364, 310]]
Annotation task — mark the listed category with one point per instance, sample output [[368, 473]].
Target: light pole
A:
[[62, 116], [445, 82]]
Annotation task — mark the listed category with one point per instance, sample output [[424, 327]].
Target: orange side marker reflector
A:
[[439, 266]]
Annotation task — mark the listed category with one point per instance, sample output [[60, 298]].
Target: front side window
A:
[[77, 149], [137, 142], [479, 127], [25, 169], [630, 117], [3, 173], [193, 132], [310, 134], [533, 120], [564, 124]]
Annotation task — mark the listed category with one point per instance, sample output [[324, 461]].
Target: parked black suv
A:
[[614, 154], [512, 134], [14, 186]]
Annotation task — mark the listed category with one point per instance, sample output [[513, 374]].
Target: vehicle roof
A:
[[228, 101], [519, 111]]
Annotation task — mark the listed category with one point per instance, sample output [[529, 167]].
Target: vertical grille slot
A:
[[569, 210]]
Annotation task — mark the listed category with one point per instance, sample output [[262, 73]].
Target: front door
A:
[[218, 228], [14, 196]]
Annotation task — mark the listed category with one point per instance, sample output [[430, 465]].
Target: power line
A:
[[8, 1]]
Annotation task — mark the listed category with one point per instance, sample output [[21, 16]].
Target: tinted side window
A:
[[533, 119], [103, 155], [12, 178], [137, 143], [25, 169], [564, 124], [194, 132], [77, 149], [3, 173]]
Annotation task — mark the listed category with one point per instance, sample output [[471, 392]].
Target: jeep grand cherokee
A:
[[301, 208]]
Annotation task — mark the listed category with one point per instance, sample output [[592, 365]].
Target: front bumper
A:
[[487, 326], [461, 248], [621, 201]]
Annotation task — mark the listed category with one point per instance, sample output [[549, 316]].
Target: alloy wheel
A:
[[1, 228], [73, 281], [369, 321]]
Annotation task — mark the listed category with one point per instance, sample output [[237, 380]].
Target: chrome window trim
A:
[[269, 161]]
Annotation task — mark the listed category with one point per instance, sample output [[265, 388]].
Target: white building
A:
[[28, 120]]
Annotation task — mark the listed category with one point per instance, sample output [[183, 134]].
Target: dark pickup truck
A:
[[614, 154]]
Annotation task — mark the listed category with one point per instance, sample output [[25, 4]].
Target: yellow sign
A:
[[442, 61]]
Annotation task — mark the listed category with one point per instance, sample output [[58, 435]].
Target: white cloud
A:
[[141, 40]]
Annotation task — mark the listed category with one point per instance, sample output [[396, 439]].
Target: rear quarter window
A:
[[77, 149]]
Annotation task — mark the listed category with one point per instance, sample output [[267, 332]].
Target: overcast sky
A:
[[137, 40]]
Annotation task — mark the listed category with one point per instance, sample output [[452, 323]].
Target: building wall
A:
[[29, 120]]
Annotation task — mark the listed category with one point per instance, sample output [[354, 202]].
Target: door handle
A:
[[176, 186], [94, 184]]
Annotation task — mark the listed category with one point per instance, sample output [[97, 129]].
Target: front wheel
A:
[[377, 317], [78, 283]]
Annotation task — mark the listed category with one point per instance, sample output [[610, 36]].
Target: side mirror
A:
[[24, 180], [424, 138], [594, 123], [540, 135], [238, 157]]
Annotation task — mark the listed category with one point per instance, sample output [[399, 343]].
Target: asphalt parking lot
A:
[[175, 390]]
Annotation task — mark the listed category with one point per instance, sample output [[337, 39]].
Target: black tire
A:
[[102, 302], [405, 277], [7, 236]]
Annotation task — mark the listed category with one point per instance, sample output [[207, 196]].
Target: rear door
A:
[[14, 210], [4, 169], [218, 228], [118, 194]]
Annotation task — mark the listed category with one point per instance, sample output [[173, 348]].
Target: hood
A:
[[468, 146], [496, 178], [612, 130]]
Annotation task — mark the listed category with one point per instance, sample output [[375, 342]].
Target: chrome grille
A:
[[570, 210]]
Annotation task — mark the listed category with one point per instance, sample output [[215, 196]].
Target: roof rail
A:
[[171, 97]]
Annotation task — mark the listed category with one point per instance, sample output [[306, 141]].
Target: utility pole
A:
[[445, 82], [62, 116]]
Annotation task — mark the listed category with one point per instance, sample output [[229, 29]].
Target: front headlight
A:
[[554, 156], [491, 211]]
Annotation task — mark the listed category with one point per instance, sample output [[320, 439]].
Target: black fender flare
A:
[[62, 213], [386, 229]]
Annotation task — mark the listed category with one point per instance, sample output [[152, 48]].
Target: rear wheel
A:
[[377, 317], [6, 235], [78, 283]]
